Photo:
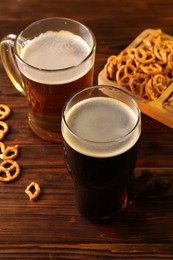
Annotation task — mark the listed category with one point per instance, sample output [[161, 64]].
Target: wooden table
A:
[[51, 227]]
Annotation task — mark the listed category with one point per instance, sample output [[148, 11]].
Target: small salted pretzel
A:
[[152, 68], [144, 55], [137, 84], [126, 57], [168, 107], [159, 83], [4, 111], [168, 104], [124, 74], [9, 152], [3, 129], [170, 61], [153, 37], [150, 91], [9, 170], [129, 52], [33, 190], [161, 51], [110, 67], [122, 60]]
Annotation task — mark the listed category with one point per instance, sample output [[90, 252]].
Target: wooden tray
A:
[[154, 108]]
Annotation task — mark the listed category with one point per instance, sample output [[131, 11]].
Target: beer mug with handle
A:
[[48, 61]]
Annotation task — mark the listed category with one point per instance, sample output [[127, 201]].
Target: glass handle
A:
[[9, 63]]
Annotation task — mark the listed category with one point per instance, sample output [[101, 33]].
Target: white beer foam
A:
[[55, 51], [105, 122]]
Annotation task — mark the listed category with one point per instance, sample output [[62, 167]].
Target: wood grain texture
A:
[[51, 227]]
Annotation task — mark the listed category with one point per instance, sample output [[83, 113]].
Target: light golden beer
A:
[[48, 92], [49, 61]]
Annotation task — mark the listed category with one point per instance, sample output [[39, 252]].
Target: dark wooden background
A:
[[51, 227]]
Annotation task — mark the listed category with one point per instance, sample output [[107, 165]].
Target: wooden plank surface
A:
[[51, 227]]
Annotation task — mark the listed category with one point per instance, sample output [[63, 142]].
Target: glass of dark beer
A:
[[49, 61], [101, 126]]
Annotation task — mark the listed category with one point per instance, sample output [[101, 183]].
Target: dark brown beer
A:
[[103, 156], [100, 183]]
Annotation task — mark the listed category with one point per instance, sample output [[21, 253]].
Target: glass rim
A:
[[117, 140], [55, 70]]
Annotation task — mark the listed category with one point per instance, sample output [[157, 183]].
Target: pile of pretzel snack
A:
[[147, 69], [9, 168]]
